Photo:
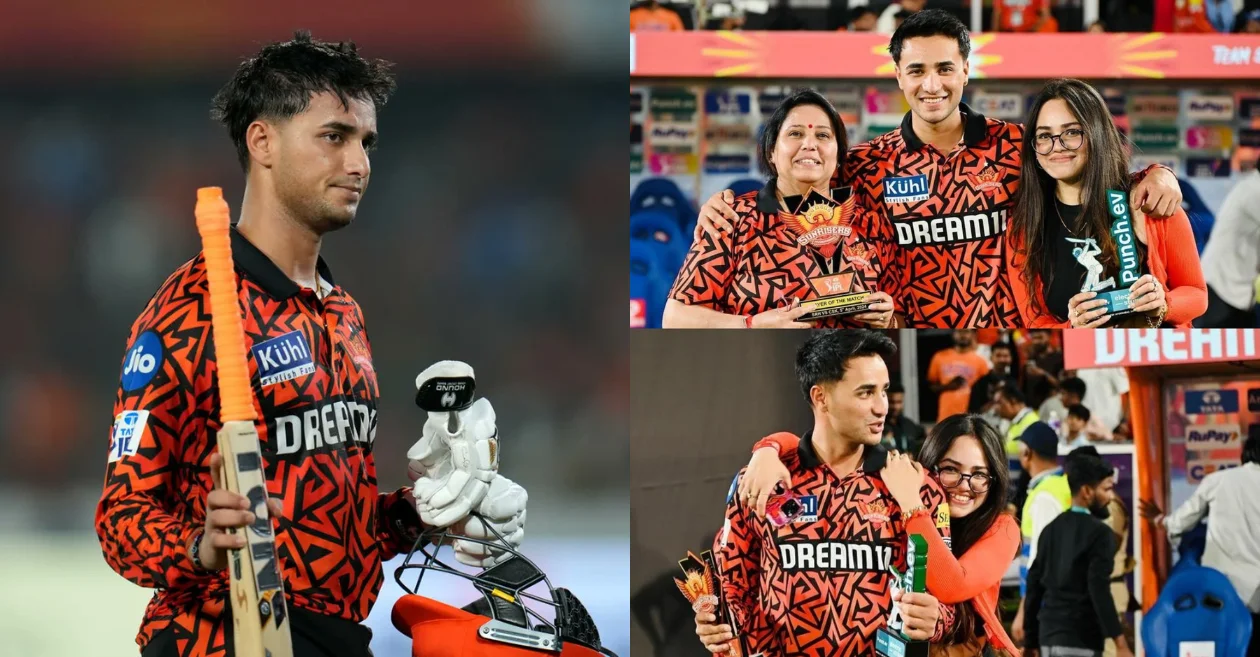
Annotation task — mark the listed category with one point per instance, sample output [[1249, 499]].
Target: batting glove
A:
[[503, 509], [451, 473]]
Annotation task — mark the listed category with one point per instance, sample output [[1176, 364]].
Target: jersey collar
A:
[[974, 129], [873, 456], [263, 271]]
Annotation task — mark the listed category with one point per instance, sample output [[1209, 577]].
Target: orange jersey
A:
[[760, 265], [315, 390], [819, 585], [943, 217], [1019, 15], [949, 364], [660, 19]]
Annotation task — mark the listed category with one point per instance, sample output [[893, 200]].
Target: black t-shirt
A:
[[1068, 273]]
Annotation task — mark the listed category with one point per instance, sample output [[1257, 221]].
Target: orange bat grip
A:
[[213, 222]]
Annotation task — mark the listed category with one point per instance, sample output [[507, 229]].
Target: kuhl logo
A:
[[909, 189], [283, 358]]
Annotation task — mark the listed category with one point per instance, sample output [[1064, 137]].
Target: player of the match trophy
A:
[[823, 224], [891, 641], [703, 589], [1113, 289]]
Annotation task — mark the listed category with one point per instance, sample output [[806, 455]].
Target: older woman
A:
[[757, 275]]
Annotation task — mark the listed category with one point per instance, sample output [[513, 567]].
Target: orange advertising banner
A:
[[1086, 348], [1003, 56]]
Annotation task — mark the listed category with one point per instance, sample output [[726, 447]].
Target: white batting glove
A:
[[451, 473], [504, 510]]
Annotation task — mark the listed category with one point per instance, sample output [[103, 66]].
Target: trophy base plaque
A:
[[835, 306], [888, 644], [1117, 302]]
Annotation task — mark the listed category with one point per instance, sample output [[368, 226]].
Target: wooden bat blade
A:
[[259, 613]]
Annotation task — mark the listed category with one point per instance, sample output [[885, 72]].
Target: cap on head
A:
[[1041, 439]]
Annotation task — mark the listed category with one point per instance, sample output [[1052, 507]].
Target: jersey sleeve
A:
[[958, 579], [144, 532], [737, 551], [938, 510], [1187, 296], [783, 442], [709, 267]]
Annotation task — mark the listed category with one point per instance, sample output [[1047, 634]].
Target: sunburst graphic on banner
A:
[[736, 59], [978, 60], [1132, 49]]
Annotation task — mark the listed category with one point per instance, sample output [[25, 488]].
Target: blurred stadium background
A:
[[700, 86], [477, 242]]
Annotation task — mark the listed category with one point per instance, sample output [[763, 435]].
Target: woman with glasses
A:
[[1060, 236], [967, 457]]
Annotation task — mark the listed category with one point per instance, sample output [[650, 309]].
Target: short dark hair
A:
[[825, 355], [1011, 392], [1084, 469], [279, 81], [770, 132], [1251, 446], [1073, 385], [1079, 411], [859, 12], [928, 23], [1005, 346], [895, 386]]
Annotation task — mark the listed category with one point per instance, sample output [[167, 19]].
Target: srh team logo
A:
[[910, 189], [823, 225], [283, 358], [875, 512], [987, 180], [142, 361]]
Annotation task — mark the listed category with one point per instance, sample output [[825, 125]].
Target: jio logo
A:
[[141, 361]]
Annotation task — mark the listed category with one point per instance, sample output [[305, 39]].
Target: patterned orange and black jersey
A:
[[316, 393], [944, 218], [820, 584], [760, 265]]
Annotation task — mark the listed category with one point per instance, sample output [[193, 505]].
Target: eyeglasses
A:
[[952, 477], [1072, 138]]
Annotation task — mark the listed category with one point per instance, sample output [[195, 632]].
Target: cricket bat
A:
[[257, 592]]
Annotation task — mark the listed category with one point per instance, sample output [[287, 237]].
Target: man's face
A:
[[1039, 339], [856, 406], [932, 75], [1075, 424], [896, 403], [913, 6], [1069, 398], [964, 338], [1001, 359], [1025, 456], [1101, 497], [321, 165], [1005, 408]]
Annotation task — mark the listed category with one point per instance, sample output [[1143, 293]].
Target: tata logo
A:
[[909, 189], [1207, 402]]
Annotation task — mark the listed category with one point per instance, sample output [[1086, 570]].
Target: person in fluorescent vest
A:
[[1048, 496]]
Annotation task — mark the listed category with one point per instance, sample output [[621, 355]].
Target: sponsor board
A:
[[1207, 167], [1209, 137], [1207, 107]]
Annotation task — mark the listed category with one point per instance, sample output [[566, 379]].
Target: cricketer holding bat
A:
[[302, 115]]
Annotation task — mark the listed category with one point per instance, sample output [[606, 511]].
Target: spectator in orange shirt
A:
[[953, 371], [965, 455], [1021, 15], [650, 16], [1073, 154]]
